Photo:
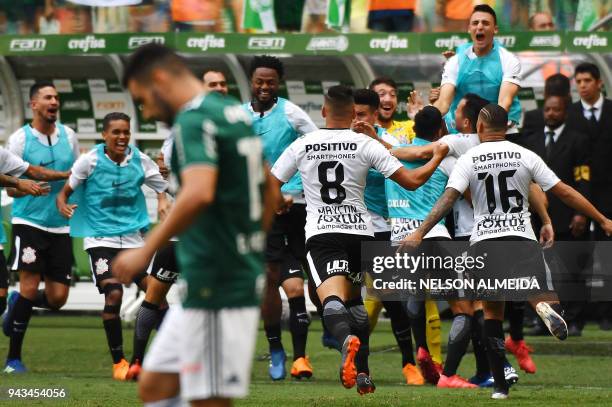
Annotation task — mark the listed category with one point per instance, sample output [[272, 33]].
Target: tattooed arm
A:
[[440, 209]]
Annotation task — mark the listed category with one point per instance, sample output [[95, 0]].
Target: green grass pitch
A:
[[70, 352]]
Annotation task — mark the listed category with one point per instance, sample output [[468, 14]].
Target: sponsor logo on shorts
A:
[[207, 42], [166, 275], [28, 255], [545, 41], [88, 43], [28, 45], [267, 43], [389, 43], [507, 41], [101, 266], [337, 266], [135, 42], [337, 43], [591, 41], [233, 380]]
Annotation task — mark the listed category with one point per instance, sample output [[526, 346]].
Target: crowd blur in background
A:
[[309, 16]]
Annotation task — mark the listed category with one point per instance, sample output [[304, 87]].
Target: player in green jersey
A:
[[218, 216]]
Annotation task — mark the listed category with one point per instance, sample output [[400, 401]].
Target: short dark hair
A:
[[339, 100], [588, 67], [485, 8], [113, 116], [557, 85], [367, 97], [152, 56], [267, 61], [38, 86], [472, 107], [495, 117], [427, 123], [383, 80], [214, 70]]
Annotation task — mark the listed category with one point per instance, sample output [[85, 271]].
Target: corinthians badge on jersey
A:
[[101, 266], [28, 256]]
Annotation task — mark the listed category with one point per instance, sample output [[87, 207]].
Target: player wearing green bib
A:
[[204, 348]]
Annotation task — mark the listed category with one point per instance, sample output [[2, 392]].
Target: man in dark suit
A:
[[567, 153], [592, 115], [533, 121]]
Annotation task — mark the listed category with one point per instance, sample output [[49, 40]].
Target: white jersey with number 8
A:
[[334, 165]]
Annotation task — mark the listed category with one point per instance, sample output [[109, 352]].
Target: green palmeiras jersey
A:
[[220, 254]]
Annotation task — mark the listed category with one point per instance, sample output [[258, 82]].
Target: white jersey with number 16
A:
[[498, 175], [334, 165]]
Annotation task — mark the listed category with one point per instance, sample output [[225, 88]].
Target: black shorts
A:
[[332, 254], [287, 236], [164, 267], [4, 275], [290, 268], [524, 259], [100, 259], [38, 251]]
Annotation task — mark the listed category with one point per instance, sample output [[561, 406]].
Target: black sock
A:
[[146, 320], [299, 320], [416, 312], [516, 317], [458, 341], [360, 326], [336, 318], [480, 352], [161, 315], [400, 325], [41, 300], [22, 312], [273, 333], [2, 305], [496, 352], [114, 337]]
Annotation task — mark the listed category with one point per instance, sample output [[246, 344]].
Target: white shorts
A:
[[211, 350]]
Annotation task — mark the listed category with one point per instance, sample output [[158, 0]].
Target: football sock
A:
[[458, 341], [299, 320], [273, 333], [2, 304], [416, 313], [41, 300], [146, 320], [496, 351], [480, 352], [22, 312], [173, 402], [515, 317], [161, 315], [400, 325], [336, 318], [360, 327], [114, 337]]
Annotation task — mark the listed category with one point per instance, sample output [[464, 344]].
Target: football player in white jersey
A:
[[499, 174], [334, 163]]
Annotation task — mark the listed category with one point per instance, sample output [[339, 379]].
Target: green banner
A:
[[298, 44], [589, 42]]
